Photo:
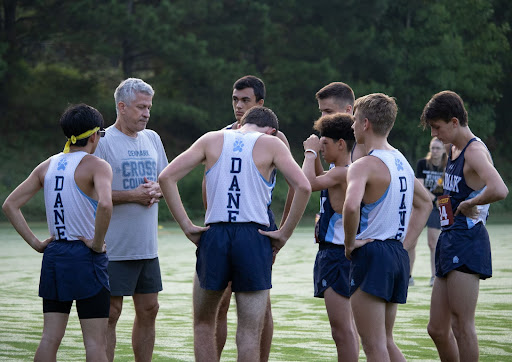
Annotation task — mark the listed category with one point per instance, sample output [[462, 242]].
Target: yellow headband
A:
[[73, 139]]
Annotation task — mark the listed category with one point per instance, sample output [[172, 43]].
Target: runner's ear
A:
[[271, 131]]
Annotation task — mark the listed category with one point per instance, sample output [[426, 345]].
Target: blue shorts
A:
[[234, 252], [71, 271], [434, 220], [129, 277], [332, 269], [381, 268], [469, 247]]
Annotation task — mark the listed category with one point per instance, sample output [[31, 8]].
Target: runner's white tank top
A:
[[235, 189], [388, 217], [69, 212]]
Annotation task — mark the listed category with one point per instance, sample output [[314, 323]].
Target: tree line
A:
[[55, 53]]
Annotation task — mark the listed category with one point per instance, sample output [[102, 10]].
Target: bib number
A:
[[445, 210]]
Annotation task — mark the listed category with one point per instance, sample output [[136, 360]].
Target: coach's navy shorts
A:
[[129, 277], [381, 268], [434, 220], [332, 269], [469, 247], [71, 271], [236, 252]]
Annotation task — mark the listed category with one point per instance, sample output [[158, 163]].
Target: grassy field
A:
[[302, 330]]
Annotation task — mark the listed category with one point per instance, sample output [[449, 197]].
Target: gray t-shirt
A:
[[132, 233]]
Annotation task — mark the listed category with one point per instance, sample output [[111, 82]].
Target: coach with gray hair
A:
[[137, 156]]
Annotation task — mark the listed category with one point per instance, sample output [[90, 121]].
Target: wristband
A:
[[312, 151]]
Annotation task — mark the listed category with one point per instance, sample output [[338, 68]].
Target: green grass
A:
[[302, 331]]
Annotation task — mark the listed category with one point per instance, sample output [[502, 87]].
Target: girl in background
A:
[[430, 172]]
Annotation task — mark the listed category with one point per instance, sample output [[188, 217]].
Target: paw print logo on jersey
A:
[[399, 164], [238, 146], [62, 165]]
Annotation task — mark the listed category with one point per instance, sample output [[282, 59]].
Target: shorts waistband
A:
[[461, 226], [238, 224], [391, 241], [326, 245]]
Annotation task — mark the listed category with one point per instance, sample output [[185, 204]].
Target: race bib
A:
[[445, 210]]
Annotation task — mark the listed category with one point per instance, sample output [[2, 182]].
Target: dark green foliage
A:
[[54, 53]]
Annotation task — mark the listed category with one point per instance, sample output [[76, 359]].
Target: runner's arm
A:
[[19, 197]]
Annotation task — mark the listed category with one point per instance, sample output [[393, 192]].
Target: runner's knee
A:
[[342, 334], [52, 339], [437, 333], [95, 344], [375, 348]]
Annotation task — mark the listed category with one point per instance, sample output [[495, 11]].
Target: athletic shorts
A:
[[234, 252], [71, 271], [129, 277], [381, 268], [464, 247], [332, 269], [97, 306], [434, 220]]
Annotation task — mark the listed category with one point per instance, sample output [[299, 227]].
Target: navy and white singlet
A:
[[455, 185]]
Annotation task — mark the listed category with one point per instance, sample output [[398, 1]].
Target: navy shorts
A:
[[434, 220], [234, 252], [97, 306], [129, 277], [381, 268], [464, 247], [72, 271], [332, 269]]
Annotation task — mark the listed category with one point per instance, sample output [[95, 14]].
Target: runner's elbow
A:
[[428, 205], [350, 208], [502, 192], [163, 177], [8, 207], [304, 188], [106, 205]]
